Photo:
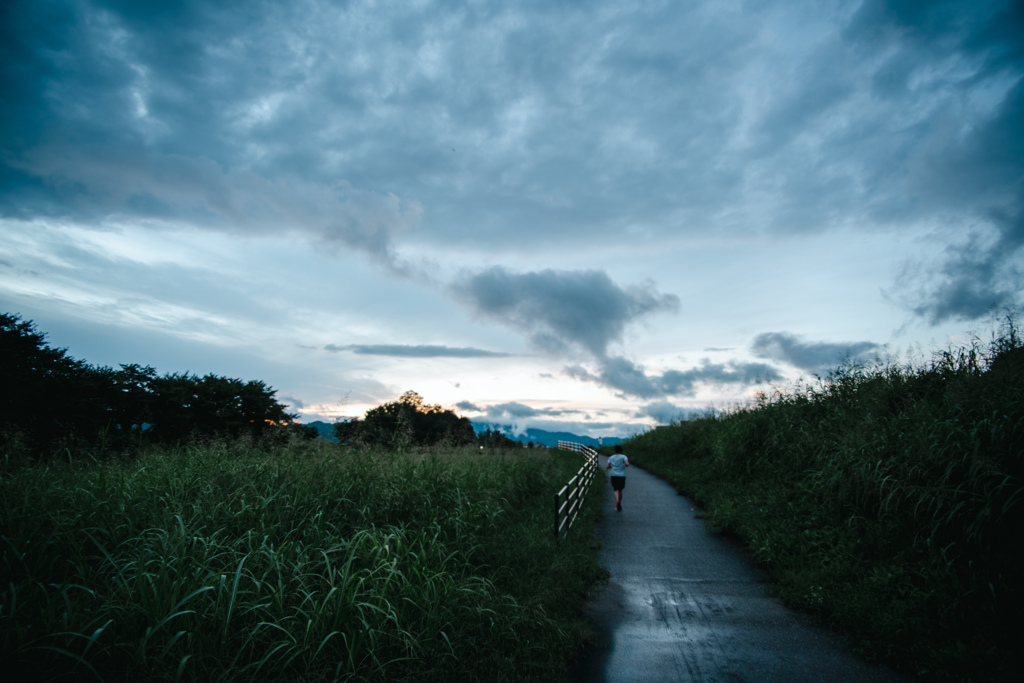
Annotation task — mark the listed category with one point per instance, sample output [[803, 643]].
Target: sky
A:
[[583, 216]]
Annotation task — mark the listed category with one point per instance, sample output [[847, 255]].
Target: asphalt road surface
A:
[[685, 604]]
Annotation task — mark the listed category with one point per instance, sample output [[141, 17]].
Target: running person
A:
[[618, 464]]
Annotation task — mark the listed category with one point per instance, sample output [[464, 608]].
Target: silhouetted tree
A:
[[407, 421], [186, 405], [349, 430], [492, 438], [132, 397], [47, 396]]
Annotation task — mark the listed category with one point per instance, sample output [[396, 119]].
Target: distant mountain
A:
[[549, 439], [545, 437]]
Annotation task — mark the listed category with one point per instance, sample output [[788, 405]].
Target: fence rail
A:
[[570, 499]]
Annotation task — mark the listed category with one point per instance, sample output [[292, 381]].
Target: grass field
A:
[[304, 562], [887, 500]]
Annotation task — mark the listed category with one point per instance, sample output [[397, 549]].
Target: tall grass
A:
[[306, 562], [888, 500]]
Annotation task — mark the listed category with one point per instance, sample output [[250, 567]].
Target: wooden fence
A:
[[569, 500]]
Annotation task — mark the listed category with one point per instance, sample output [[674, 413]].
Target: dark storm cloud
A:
[[516, 411], [978, 277], [984, 271], [964, 154], [911, 117], [815, 356], [931, 133], [562, 309], [526, 126], [665, 412], [630, 379], [116, 111], [415, 351], [238, 112]]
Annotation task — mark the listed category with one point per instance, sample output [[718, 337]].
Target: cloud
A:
[[630, 379], [979, 276], [586, 427], [515, 418], [171, 190], [418, 351], [558, 119], [961, 161], [515, 411], [562, 310], [112, 116], [467, 405], [663, 412], [813, 356], [515, 129]]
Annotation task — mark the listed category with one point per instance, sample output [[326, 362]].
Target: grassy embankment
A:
[[310, 562], [886, 500]]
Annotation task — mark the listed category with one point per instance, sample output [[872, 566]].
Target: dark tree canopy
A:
[[492, 438], [407, 421], [44, 391], [49, 397]]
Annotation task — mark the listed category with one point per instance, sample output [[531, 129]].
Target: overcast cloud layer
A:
[[542, 203]]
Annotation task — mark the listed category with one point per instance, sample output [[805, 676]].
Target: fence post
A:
[[557, 498]]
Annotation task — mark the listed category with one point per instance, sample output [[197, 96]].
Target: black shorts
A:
[[618, 483]]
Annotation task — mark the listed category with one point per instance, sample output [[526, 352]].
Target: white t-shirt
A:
[[618, 463]]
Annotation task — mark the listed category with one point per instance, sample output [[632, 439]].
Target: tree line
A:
[[410, 421], [50, 399]]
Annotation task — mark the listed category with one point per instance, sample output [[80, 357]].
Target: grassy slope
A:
[[307, 562], [890, 502]]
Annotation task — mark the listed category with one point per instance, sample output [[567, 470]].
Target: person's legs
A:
[[617, 485]]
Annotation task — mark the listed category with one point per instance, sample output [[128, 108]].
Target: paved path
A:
[[683, 604]]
